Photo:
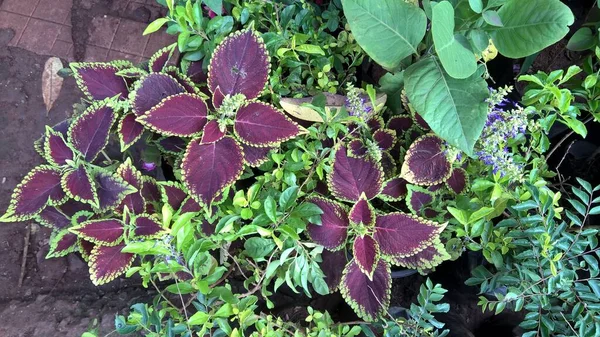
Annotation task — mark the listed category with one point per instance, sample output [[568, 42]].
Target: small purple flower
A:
[[149, 166]]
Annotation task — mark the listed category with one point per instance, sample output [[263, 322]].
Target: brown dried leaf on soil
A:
[[51, 81]]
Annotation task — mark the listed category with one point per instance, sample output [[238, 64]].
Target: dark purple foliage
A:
[[239, 65], [210, 168], [40, 186], [159, 60], [368, 296], [394, 189], [107, 263], [352, 177], [147, 227], [79, 185], [172, 144], [333, 266], [174, 194], [333, 230], [99, 80], [400, 234], [89, 133], [104, 232], [261, 124], [255, 156], [130, 131], [177, 115], [212, 132], [56, 150], [457, 182], [111, 190], [385, 138], [366, 253], [425, 162], [152, 89]]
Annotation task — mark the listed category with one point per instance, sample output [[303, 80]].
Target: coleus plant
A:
[[365, 173], [235, 131]]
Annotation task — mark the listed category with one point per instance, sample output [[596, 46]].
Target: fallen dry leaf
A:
[[51, 82], [293, 106]]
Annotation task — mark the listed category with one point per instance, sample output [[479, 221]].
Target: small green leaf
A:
[[476, 5], [155, 25], [492, 18], [271, 208], [215, 5], [310, 49], [583, 39]]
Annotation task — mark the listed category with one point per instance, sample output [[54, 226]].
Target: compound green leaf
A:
[[388, 30], [456, 57], [530, 26], [455, 109]]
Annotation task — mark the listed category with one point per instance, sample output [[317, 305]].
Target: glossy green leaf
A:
[[530, 26], [380, 25], [454, 109], [476, 5], [456, 57], [583, 39]]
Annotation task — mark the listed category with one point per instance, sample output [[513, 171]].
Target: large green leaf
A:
[[456, 57], [388, 30], [455, 109], [530, 26]]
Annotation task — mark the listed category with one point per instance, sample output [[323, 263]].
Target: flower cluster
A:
[[506, 120], [356, 103]]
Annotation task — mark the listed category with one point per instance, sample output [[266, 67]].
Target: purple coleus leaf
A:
[[332, 266], [368, 296], [196, 73], [177, 115], [239, 65], [190, 206], [217, 98], [261, 124], [388, 164], [400, 124], [351, 177], [333, 230], [171, 145], [99, 80], [79, 184], [182, 79], [356, 148], [129, 131], [62, 243], [457, 182], [420, 122], [255, 156], [427, 259], [53, 218], [394, 189], [209, 168], [133, 201], [56, 150], [400, 235], [385, 138], [173, 194], [40, 187], [366, 254], [151, 90], [147, 227], [212, 132], [425, 162], [88, 133], [111, 189], [150, 190], [107, 232], [417, 198], [85, 249], [107, 263], [159, 60], [362, 213]]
